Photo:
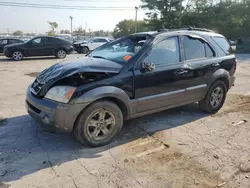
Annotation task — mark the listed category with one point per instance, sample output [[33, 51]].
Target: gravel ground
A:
[[177, 148]]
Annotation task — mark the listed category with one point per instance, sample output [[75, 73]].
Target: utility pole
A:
[[71, 22], [136, 11]]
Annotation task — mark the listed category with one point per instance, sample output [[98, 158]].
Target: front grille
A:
[[33, 108], [36, 87]]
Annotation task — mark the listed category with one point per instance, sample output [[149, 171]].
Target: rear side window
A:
[[13, 41], [196, 48], [223, 44], [100, 40], [4, 41], [51, 40]]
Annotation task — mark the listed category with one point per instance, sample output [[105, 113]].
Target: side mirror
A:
[[146, 66]]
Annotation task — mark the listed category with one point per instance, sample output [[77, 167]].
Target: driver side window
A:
[[37, 41], [165, 52]]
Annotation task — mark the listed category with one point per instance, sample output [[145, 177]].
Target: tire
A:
[[17, 55], [215, 97], [85, 50], [61, 54], [99, 124]]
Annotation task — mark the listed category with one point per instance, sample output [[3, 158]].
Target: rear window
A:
[[223, 44]]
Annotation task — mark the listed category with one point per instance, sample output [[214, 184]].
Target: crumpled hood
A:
[[68, 68]]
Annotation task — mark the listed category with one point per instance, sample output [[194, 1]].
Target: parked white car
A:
[[93, 43]]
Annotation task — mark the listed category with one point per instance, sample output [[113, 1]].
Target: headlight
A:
[[60, 93]]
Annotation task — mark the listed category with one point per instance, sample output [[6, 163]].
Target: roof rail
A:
[[190, 28]]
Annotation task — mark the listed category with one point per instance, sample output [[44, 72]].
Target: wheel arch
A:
[[109, 93], [18, 49], [222, 75]]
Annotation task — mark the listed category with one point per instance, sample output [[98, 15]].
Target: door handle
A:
[[181, 72], [215, 65]]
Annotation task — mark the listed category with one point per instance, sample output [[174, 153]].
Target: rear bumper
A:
[[51, 113], [232, 80]]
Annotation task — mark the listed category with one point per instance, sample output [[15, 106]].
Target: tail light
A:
[[235, 65]]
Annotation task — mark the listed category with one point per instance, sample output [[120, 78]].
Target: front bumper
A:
[[70, 50], [51, 113]]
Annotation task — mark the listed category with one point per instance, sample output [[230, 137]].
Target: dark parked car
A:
[[39, 46], [133, 76], [7, 41]]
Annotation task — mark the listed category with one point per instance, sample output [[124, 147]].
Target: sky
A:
[[35, 20]]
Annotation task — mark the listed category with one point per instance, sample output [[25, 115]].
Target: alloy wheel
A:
[[17, 55], [216, 97], [100, 124], [61, 54]]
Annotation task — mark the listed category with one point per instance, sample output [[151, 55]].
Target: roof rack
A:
[[189, 28]]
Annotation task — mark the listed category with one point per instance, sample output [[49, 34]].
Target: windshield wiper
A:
[[100, 57]]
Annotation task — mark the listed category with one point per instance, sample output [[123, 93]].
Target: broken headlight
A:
[[60, 93]]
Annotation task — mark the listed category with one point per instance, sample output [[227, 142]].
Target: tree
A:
[[228, 17], [18, 32], [163, 13], [64, 31], [127, 27], [51, 33], [79, 31], [53, 25]]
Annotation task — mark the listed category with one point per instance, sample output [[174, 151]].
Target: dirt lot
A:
[[182, 147]]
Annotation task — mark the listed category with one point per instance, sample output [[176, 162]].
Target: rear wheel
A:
[[17, 55], [215, 97], [85, 50], [99, 124], [61, 54]]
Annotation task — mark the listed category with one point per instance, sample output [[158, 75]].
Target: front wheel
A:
[[61, 54], [215, 97], [85, 50], [99, 124], [17, 55]]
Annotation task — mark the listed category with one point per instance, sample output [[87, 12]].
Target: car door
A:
[[50, 46], [36, 47], [3, 42], [161, 85], [200, 63]]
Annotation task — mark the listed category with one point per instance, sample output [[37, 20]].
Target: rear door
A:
[[199, 64], [51, 45]]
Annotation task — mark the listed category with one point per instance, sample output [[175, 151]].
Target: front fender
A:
[[106, 92]]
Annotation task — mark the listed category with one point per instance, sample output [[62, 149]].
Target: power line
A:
[[31, 5], [118, 1]]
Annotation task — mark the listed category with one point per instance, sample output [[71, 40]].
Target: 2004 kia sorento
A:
[[133, 76]]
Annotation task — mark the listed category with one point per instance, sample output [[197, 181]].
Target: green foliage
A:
[[51, 33], [53, 25], [79, 31], [127, 27], [18, 32], [228, 17], [64, 31]]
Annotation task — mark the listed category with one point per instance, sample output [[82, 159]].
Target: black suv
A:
[[133, 76], [39, 46]]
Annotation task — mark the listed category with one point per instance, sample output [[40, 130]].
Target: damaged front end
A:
[[70, 76]]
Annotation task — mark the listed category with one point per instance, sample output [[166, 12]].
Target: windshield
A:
[[120, 50]]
